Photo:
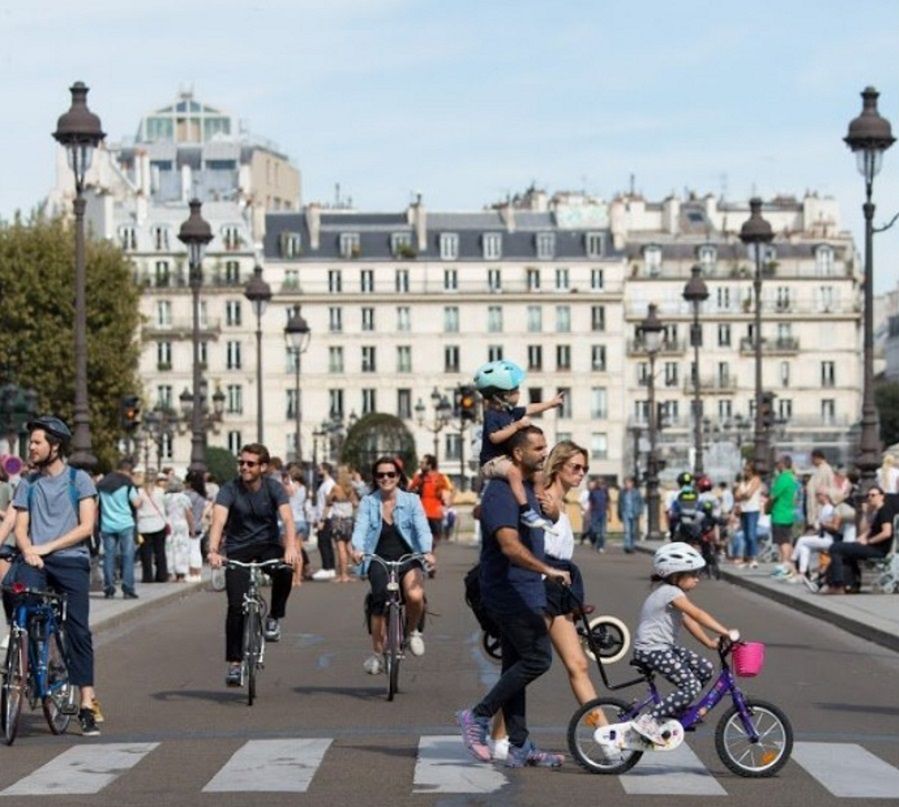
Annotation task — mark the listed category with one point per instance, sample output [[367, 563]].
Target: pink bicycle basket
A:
[[748, 658]]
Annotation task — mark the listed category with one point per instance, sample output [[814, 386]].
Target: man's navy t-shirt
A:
[[494, 421], [505, 587], [252, 515]]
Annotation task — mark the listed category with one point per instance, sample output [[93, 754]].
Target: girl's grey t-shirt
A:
[[660, 621], [52, 511]]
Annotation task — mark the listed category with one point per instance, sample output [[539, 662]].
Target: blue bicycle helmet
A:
[[498, 375], [51, 425]]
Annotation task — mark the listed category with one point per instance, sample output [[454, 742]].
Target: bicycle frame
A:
[[48, 614]]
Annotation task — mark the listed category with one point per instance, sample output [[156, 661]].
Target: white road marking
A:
[[675, 773], [83, 769], [847, 770], [444, 766], [283, 766]]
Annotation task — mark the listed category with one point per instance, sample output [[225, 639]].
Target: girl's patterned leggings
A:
[[683, 668]]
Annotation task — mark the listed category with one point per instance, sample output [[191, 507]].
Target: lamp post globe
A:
[[651, 334], [696, 292], [259, 293], [298, 335]]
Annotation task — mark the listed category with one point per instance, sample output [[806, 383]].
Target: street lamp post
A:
[[196, 233], [757, 232], [79, 132], [443, 413], [259, 293], [298, 334], [869, 137], [695, 293], [651, 333]]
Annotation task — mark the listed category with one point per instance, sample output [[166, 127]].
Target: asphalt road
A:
[[173, 729]]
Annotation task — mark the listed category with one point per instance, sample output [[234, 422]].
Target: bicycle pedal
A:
[[69, 709]]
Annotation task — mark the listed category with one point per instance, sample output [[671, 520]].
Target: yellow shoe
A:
[[595, 719], [98, 715]]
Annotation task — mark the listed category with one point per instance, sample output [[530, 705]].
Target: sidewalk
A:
[[874, 617], [113, 612]]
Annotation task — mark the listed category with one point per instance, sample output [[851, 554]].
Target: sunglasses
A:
[[386, 475], [874, 493], [248, 463], [578, 468]]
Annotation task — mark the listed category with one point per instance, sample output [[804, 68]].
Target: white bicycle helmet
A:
[[498, 375], [676, 557]]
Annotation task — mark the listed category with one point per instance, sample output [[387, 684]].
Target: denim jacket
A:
[[408, 516]]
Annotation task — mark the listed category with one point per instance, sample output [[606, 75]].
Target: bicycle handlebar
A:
[[17, 589], [387, 564], [254, 564]]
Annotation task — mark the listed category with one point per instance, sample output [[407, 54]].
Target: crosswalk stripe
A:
[[847, 770], [676, 773], [83, 769], [283, 766], [444, 766]]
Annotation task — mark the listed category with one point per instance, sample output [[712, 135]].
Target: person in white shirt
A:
[[322, 524]]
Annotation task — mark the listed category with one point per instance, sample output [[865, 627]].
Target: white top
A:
[[754, 503], [660, 621], [151, 511], [321, 496], [298, 503], [560, 542]]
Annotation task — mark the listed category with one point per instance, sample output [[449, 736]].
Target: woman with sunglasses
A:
[[843, 574], [391, 523]]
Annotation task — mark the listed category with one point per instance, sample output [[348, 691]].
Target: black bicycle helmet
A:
[[685, 478], [52, 426]]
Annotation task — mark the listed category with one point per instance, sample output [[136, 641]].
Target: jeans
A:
[[118, 543], [527, 654], [631, 525], [598, 530], [750, 522], [845, 557]]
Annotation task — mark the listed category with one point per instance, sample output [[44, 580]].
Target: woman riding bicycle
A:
[[391, 523]]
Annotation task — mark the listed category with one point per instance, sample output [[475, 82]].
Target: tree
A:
[[37, 317], [378, 435], [221, 463], [886, 399]]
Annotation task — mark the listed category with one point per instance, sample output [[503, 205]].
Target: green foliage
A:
[[221, 463], [378, 435], [886, 399], [37, 316]]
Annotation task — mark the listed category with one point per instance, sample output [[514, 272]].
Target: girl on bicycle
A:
[[675, 567]]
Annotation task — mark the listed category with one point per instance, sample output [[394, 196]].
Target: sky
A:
[[470, 100]]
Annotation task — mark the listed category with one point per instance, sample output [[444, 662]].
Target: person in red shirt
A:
[[434, 489]]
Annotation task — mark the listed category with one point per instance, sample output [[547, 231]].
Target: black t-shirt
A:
[[883, 516], [391, 545], [252, 515]]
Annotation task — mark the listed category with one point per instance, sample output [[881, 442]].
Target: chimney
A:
[[507, 214], [419, 218], [313, 223], [670, 214]]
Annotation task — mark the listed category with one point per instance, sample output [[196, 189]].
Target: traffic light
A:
[[767, 409], [467, 402], [129, 412]]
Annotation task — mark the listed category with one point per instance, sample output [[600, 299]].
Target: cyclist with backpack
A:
[[55, 513], [684, 516]]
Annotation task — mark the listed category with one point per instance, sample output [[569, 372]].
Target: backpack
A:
[[472, 584]]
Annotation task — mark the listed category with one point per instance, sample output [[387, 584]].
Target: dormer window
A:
[[349, 245], [652, 260], [128, 238], [401, 245], [492, 244], [546, 245], [769, 252], [160, 235], [824, 260], [231, 237], [449, 246], [707, 255], [291, 245], [595, 244]]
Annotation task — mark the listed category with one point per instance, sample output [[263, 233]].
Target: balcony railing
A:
[[636, 347], [181, 329], [781, 345], [424, 284], [712, 384]]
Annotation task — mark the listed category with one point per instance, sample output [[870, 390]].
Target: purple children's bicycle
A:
[[753, 738]]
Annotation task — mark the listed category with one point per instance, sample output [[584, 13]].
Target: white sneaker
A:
[[416, 643], [324, 574], [649, 727], [373, 665], [499, 749]]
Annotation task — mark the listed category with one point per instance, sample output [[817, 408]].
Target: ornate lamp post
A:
[[757, 232], [869, 137], [196, 233], [651, 333], [695, 293], [443, 414], [298, 334], [79, 132], [259, 293]]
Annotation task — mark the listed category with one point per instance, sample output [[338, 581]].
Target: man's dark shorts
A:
[[782, 533]]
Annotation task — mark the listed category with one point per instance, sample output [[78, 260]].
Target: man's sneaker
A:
[[232, 678], [98, 714], [499, 749], [373, 665], [88, 723], [272, 630], [128, 594], [780, 571], [647, 726], [324, 574], [753, 564], [416, 643], [474, 734], [810, 584], [521, 756], [109, 593], [531, 518]]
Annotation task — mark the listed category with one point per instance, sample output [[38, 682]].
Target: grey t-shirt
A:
[[660, 621], [52, 510]]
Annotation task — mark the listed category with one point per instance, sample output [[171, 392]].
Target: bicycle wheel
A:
[[610, 637], [761, 758], [59, 702], [252, 643], [15, 684], [590, 754], [392, 651]]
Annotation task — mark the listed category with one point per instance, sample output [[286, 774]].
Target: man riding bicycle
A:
[[246, 513], [56, 509]]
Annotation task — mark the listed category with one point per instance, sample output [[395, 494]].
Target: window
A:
[[670, 373], [401, 245], [535, 319], [725, 409], [668, 411], [494, 352], [492, 245], [451, 319], [232, 273], [599, 403], [641, 411], [669, 335], [785, 374], [404, 404], [828, 410], [231, 237], [235, 442], [563, 278], [350, 246], [368, 319], [369, 401], [335, 359], [707, 257], [723, 374], [452, 446], [532, 278], [494, 319], [232, 313], [449, 246], [827, 299], [450, 280], [599, 446], [782, 299], [204, 314], [335, 319], [597, 317], [163, 314], [232, 353], [234, 399], [403, 318], [594, 244], [367, 280], [291, 245], [784, 408], [546, 245], [828, 374], [291, 412], [204, 353], [368, 359], [160, 234], [598, 358], [824, 261], [535, 357], [565, 410], [291, 279], [563, 319], [404, 359], [597, 279], [163, 355], [335, 282], [164, 395], [652, 260], [784, 333], [335, 403], [401, 281], [494, 280], [535, 396], [723, 335], [128, 238], [722, 297], [451, 359], [642, 373], [162, 277]]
